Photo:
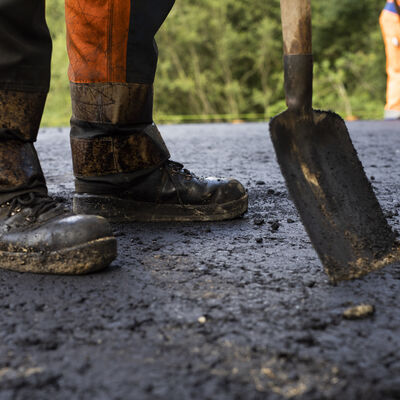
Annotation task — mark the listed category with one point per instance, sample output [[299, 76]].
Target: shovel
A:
[[324, 176]]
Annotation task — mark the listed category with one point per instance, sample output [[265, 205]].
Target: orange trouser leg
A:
[[113, 58], [112, 51], [390, 25], [97, 40]]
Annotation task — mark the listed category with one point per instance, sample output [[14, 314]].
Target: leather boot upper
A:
[[35, 223], [105, 149], [20, 171], [170, 183]]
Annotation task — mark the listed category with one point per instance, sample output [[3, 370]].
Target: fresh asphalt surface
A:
[[230, 310]]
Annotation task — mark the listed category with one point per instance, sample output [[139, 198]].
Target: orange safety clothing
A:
[[390, 26], [113, 40], [97, 40]]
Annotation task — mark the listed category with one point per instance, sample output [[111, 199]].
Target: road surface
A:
[[220, 311]]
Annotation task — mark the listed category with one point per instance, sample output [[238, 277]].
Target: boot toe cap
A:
[[76, 229], [228, 190], [60, 233]]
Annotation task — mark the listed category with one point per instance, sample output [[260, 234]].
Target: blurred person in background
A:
[[390, 25], [122, 166]]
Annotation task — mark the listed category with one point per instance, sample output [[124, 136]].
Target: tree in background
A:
[[58, 105], [350, 57], [222, 59]]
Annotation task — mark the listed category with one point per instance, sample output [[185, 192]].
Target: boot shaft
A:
[[20, 115]]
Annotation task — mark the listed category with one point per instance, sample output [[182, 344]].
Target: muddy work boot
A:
[[122, 166], [169, 193], [36, 233], [39, 235]]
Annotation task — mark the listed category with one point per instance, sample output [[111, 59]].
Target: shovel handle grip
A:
[[297, 48], [296, 26]]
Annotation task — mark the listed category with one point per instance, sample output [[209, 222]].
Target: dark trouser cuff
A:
[[101, 150], [20, 114], [112, 103], [20, 170]]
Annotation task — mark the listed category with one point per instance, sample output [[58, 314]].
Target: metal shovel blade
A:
[[332, 193]]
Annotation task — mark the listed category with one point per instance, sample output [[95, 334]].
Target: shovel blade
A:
[[334, 198]]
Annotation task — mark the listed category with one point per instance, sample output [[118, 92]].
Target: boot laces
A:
[[38, 204], [177, 167]]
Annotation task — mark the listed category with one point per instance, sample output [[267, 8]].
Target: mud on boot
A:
[[169, 193], [37, 234]]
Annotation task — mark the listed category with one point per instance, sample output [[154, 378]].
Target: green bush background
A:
[[221, 60]]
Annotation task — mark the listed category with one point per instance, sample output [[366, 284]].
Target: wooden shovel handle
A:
[[296, 26]]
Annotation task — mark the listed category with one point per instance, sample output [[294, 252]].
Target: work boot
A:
[[37, 234], [122, 165], [169, 193]]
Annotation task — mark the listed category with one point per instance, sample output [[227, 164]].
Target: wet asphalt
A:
[[230, 310]]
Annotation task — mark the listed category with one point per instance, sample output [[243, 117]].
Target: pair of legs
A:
[[121, 163], [390, 26]]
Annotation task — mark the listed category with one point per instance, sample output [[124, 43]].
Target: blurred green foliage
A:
[[58, 105], [224, 58]]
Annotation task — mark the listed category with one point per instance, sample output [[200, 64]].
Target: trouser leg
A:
[[120, 160], [25, 49], [113, 58], [390, 26]]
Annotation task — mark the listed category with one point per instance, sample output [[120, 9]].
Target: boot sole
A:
[[119, 210], [83, 259]]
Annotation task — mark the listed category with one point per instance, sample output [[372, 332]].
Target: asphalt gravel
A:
[[230, 310]]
